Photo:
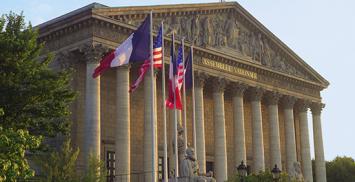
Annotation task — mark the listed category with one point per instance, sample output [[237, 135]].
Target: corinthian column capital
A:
[[66, 59], [199, 79], [238, 89], [93, 53], [288, 101], [316, 107], [256, 93], [219, 84], [272, 98], [302, 105]]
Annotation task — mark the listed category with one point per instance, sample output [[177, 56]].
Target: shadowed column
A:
[[148, 143], [258, 143], [122, 135], [318, 143], [272, 99], [302, 108], [220, 147], [238, 117], [290, 142], [200, 122]]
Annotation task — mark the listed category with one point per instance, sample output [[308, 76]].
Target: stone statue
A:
[[189, 169], [174, 25], [243, 43], [259, 48], [253, 46], [266, 54], [195, 28], [219, 34], [181, 145], [207, 31], [232, 31], [297, 173]]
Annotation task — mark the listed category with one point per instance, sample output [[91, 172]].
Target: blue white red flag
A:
[[157, 58], [176, 77], [134, 49]]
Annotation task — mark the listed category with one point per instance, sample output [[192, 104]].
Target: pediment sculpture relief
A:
[[225, 32]]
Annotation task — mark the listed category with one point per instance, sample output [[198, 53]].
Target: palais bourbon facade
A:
[[252, 92]]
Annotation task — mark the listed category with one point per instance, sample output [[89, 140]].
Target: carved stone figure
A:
[[243, 43], [259, 48], [180, 141], [174, 25], [297, 173], [266, 54], [206, 31], [219, 34], [189, 169], [232, 31], [195, 28]]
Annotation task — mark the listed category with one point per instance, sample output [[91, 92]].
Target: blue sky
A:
[[319, 31]]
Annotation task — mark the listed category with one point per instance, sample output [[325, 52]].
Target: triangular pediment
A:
[[223, 27]]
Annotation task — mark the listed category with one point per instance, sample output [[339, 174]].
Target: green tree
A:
[[13, 144], [341, 169], [34, 99], [96, 171], [59, 166], [33, 96]]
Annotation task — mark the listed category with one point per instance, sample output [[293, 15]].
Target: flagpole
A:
[[152, 97], [164, 108], [193, 100], [184, 95], [175, 117]]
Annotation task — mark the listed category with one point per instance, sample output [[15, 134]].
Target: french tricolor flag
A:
[[135, 48]]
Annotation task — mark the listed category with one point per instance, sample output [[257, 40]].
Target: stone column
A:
[[290, 142], [305, 149], [318, 142], [238, 117], [123, 141], [92, 131], [275, 147], [148, 143], [257, 125], [200, 122], [220, 146]]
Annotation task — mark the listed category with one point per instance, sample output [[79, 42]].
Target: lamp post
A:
[[242, 170], [276, 173]]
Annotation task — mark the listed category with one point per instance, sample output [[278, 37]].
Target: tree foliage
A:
[[96, 171], [59, 166], [261, 177], [34, 99], [33, 96], [341, 169], [13, 145]]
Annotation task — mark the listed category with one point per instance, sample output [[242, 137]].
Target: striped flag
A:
[[176, 78], [157, 58]]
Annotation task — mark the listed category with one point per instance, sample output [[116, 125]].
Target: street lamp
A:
[[276, 173], [242, 170]]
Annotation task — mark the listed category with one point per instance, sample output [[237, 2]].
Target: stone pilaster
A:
[[272, 99], [123, 145], [220, 146], [290, 142], [200, 121], [318, 143], [258, 142], [302, 108], [92, 132], [238, 90], [148, 132]]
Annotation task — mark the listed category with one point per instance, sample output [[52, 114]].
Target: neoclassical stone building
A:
[[252, 91]]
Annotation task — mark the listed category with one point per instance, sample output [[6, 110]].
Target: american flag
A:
[[179, 71], [157, 58]]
